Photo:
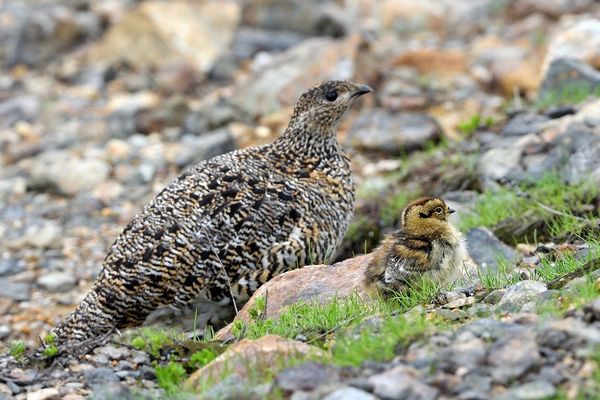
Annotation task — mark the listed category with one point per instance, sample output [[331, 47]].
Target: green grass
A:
[[170, 376], [574, 297], [153, 340], [50, 339], [501, 277], [138, 343], [379, 344], [318, 321], [17, 349], [595, 390], [50, 351], [201, 358], [549, 200], [470, 125], [341, 326], [258, 309], [570, 94], [565, 263], [417, 292], [312, 319], [315, 320], [551, 268]]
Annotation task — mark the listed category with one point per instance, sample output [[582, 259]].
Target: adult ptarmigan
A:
[[229, 224]]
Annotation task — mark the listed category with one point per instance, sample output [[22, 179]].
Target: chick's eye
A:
[[331, 95], [438, 210]]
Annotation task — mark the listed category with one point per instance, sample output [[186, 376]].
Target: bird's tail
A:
[[92, 318]]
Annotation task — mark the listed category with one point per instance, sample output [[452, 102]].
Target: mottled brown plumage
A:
[[426, 245], [229, 224]]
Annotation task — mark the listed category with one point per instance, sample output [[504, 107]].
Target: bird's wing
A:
[[409, 256], [202, 221]]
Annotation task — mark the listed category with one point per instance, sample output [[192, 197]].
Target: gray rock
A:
[[474, 387], [450, 297], [100, 359], [577, 137], [523, 124], [349, 393], [552, 338], [198, 148], [113, 353], [235, 387], [468, 354], [491, 329], [577, 329], [512, 356], [19, 291], [398, 383], [594, 309], [100, 376], [552, 374], [393, 133], [311, 17], [66, 173], [125, 365], [211, 117], [451, 315], [306, 376], [574, 285], [589, 113], [487, 250], [480, 310], [57, 281], [145, 172], [45, 234], [249, 41], [536, 390], [4, 331], [499, 162], [10, 266], [495, 296], [124, 374], [569, 76], [44, 394], [18, 108], [204, 32], [520, 294], [140, 357], [10, 187], [584, 164], [112, 391], [147, 372], [578, 39], [552, 8], [401, 91], [41, 32], [283, 78]]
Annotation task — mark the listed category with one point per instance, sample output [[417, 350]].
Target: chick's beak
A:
[[451, 210], [360, 90]]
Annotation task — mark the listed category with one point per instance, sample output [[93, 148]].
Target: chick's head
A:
[[427, 217]]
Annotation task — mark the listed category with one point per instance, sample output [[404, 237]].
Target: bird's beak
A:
[[451, 210], [360, 90]]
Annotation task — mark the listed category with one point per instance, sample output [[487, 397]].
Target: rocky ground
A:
[[493, 105]]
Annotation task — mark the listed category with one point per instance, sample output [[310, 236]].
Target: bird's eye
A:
[[438, 210], [331, 95]]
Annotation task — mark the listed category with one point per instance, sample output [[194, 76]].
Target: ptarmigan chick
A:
[[229, 224], [426, 245]]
